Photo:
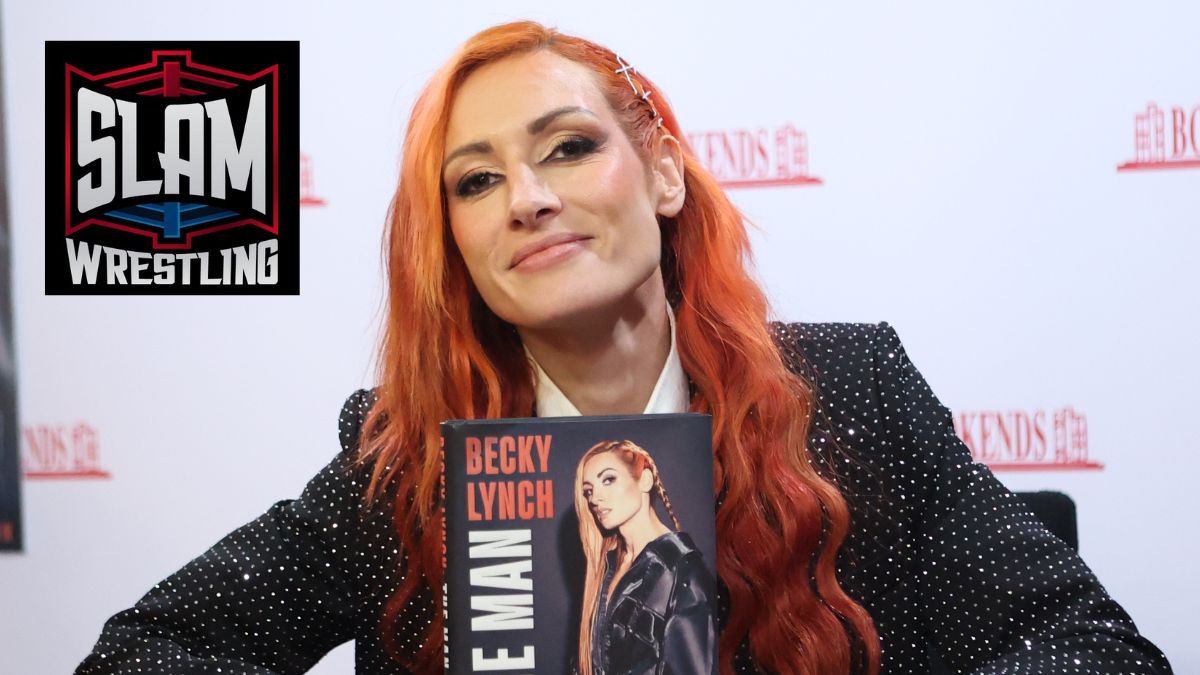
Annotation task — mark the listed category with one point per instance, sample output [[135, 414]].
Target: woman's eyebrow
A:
[[477, 148], [535, 127]]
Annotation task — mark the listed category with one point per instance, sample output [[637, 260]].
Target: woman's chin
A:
[[555, 313], [570, 296], [573, 306]]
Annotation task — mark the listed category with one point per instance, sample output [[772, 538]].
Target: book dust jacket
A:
[[580, 545]]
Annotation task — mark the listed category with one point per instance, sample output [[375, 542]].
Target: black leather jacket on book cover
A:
[[661, 617], [943, 557]]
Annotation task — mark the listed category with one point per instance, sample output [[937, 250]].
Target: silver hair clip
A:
[[625, 69]]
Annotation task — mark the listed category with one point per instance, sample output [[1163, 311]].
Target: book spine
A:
[[445, 560]]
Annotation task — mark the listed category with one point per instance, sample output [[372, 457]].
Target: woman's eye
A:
[[575, 146], [608, 480], [473, 184], [587, 494]]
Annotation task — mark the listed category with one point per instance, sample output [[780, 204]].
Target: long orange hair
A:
[[445, 355], [596, 544]]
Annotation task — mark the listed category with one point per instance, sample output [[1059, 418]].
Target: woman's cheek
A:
[[471, 238], [602, 184]]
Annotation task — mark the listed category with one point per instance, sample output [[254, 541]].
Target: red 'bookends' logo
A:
[[308, 191], [1020, 440], [1155, 133], [58, 451], [754, 157]]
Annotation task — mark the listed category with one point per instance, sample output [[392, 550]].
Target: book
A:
[[570, 531]]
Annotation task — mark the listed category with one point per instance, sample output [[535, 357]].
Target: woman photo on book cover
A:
[[554, 247], [648, 604]]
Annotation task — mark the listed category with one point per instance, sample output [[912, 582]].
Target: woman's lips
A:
[[600, 513], [547, 251]]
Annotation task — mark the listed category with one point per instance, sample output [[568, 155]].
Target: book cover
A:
[[580, 545]]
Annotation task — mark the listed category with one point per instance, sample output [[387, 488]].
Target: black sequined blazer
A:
[[661, 618], [941, 555]]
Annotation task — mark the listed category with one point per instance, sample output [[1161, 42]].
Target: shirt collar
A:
[[670, 394]]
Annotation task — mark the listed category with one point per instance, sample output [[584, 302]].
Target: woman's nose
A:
[[531, 201]]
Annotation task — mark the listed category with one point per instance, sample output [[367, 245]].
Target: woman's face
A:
[[611, 491], [550, 205]]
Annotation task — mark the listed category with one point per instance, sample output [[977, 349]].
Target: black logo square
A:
[[172, 168]]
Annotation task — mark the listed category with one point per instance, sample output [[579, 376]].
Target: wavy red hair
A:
[[445, 355]]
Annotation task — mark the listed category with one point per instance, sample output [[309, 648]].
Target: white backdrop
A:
[[968, 193]]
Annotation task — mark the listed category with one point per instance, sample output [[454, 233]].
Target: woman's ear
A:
[[666, 166], [646, 482]]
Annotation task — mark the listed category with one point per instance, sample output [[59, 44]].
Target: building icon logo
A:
[[308, 188], [61, 451], [755, 158], [1027, 440], [1165, 139]]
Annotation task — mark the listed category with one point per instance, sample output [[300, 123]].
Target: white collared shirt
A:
[[670, 393]]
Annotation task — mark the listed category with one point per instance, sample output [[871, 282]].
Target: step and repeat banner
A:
[[1015, 187]]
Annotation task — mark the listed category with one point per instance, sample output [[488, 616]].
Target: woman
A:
[[648, 596], [547, 222]]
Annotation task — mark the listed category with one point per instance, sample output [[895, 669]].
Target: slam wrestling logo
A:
[[172, 168], [749, 158], [1165, 139], [1027, 440]]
